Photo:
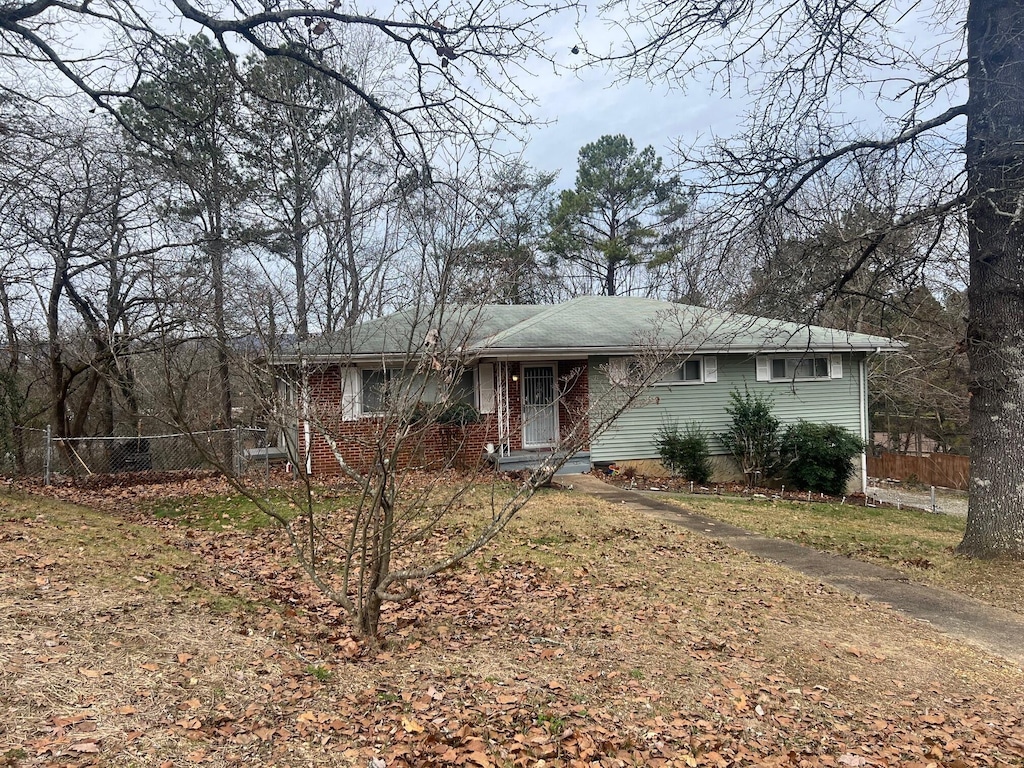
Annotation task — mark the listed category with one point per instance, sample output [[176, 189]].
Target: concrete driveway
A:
[[947, 502]]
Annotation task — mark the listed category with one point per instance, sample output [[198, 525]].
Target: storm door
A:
[[540, 406]]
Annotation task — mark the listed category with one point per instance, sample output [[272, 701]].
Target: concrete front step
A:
[[578, 463]]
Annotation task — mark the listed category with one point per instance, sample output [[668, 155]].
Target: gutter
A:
[[568, 353]]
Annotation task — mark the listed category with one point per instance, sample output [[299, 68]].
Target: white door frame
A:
[[556, 427]]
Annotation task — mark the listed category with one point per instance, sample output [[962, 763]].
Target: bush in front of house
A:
[[753, 437], [686, 453], [456, 414], [819, 457]]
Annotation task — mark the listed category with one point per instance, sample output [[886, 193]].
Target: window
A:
[[686, 372], [623, 371], [380, 388], [796, 368], [464, 389], [693, 370], [375, 389]]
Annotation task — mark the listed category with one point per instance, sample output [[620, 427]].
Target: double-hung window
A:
[[809, 367], [382, 389], [689, 371], [696, 369], [376, 386], [784, 368]]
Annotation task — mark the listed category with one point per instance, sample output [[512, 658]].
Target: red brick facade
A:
[[435, 446]]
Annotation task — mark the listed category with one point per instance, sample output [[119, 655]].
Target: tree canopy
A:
[[620, 215]]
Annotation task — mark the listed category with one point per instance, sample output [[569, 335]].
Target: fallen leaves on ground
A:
[[603, 642]]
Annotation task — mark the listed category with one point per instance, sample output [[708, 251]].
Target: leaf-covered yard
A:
[[581, 638]]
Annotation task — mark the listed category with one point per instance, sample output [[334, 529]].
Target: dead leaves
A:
[[604, 661]]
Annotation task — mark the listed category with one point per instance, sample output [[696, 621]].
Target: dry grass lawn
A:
[[581, 638]]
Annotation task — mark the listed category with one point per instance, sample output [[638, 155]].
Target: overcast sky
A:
[[579, 107]]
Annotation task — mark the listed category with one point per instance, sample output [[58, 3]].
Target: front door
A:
[[540, 406]]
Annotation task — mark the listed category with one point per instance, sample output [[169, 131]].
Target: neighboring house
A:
[[543, 377]]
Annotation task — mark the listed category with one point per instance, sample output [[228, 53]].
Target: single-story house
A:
[[538, 378]]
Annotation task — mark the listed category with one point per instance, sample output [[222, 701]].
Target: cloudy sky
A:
[[582, 106], [577, 107]]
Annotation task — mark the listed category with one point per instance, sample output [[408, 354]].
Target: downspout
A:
[[863, 367], [307, 432]]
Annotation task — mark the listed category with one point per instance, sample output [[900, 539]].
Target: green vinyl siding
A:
[[633, 435]]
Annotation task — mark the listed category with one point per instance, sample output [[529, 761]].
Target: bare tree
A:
[[359, 208], [460, 63], [187, 127], [369, 540], [82, 230], [805, 58]]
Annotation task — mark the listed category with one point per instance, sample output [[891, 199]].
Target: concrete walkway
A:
[[994, 629], [946, 502]]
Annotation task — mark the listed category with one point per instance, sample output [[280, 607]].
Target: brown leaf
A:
[[854, 761], [85, 746], [411, 725]]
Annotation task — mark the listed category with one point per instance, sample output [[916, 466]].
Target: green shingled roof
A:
[[588, 325]]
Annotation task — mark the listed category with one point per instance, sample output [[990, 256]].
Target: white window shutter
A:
[[485, 387], [835, 367], [710, 370], [764, 368], [351, 384]]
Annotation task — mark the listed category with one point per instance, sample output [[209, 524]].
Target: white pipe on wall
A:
[[864, 424]]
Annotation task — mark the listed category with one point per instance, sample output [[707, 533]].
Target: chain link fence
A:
[[240, 451], [931, 499]]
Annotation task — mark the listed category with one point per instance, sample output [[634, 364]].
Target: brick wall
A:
[[435, 446], [574, 385]]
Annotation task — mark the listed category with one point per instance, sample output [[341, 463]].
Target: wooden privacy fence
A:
[[943, 469]]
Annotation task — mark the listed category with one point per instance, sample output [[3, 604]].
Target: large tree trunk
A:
[[995, 332]]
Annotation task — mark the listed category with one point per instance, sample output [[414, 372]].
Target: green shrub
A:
[[687, 454], [819, 457], [459, 414], [753, 438], [456, 414]]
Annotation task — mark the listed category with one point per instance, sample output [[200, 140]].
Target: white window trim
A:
[[363, 411], [391, 373], [685, 382], [833, 365]]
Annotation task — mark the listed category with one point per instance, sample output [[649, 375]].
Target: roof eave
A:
[[522, 353]]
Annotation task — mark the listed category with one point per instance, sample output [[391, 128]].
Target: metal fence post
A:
[[238, 450], [266, 463], [47, 456]]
